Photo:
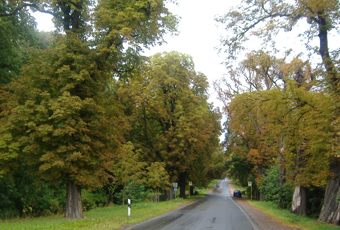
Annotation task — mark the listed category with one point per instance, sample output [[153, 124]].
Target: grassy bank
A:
[[112, 217], [289, 218]]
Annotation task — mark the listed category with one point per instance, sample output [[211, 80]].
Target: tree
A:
[[173, 122], [257, 117], [265, 19], [127, 167], [258, 72], [17, 34], [59, 116], [157, 177]]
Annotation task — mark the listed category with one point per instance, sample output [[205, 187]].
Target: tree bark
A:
[[168, 195], [330, 212], [299, 203], [73, 209], [261, 198], [182, 185], [191, 190]]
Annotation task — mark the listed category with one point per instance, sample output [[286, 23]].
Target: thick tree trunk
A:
[[182, 185], [73, 208], [299, 203], [330, 212]]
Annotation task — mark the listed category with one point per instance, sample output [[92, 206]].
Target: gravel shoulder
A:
[[264, 221]]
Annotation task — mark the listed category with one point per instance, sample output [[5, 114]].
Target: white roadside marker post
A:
[[129, 204]]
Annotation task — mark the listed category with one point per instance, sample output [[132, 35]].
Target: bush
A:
[[87, 200], [90, 200], [100, 198], [280, 194], [135, 192], [315, 199]]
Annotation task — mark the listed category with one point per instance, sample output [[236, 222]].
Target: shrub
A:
[[273, 190], [135, 192], [87, 200]]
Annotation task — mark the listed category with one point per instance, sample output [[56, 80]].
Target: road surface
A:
[[216, 212]]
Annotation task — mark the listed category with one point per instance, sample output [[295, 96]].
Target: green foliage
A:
[[59, 115], [87, 200], [17, 35], [315, 200], [172, 122], [156, 176], [134, 191], [26, 195], [282, 194], [239, 169], [273, 190]]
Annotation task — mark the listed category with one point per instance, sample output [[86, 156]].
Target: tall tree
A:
[[59, 117], [265, 19], [175, 123]]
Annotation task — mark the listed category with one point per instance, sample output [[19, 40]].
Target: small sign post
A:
[[190, 184], [251, 189], [175, 185], [129, 204]]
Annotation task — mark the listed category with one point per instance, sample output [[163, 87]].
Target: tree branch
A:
[[35, 6]]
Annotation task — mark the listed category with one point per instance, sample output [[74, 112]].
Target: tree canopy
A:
[[59, 115], [173, 122]]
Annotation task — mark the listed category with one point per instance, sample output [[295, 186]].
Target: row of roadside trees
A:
[[283, 116], [85, 109]]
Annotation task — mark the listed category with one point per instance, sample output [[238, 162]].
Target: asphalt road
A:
[[217, 211]]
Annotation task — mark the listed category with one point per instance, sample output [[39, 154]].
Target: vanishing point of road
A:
[[217, 211]]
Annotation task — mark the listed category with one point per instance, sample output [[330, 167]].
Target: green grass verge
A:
[[112, 217], [289, 218]]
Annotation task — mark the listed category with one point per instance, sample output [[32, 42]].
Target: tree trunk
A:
[[182, 185], [299, 203], [191, 190], [168, 195], [330, 212], [73, 207], [261, 197]]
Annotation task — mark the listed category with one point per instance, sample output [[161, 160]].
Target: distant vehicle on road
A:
[[237, 193]]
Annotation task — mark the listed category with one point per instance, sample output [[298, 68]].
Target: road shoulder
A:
[[264, 221]]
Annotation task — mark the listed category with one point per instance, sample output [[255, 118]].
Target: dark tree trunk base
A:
[[73, 209], [182, 185], [330, 212], [168, 194]]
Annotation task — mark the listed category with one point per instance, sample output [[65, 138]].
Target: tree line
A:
[[82, 108], [282, 109]]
